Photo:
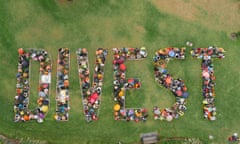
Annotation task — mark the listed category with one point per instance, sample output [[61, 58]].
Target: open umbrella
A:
[[20, 51], [171, 53], [26, 117], [185, 94], [121, 93], [179, 93], [41, 115], [131, 81], [130, 112], [168, 80], [93, 97], [123, 112], [122, 67], [116, 107], [21, 98], [205, 74], [44, 108], [120, 60]]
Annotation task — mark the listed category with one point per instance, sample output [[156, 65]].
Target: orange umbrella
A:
[[26, 117], [20, 51], [168, 80], [184, 88]]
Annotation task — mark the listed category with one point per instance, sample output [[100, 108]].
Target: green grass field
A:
[[92, 24]]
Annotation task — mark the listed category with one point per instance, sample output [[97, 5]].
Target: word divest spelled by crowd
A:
[[91, 89]]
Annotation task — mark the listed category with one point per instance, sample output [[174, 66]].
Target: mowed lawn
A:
[[127, 23]]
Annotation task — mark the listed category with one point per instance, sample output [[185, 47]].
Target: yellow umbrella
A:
[[21, 112], [121, 93], [116, 107], [44, 108], [55, 116]]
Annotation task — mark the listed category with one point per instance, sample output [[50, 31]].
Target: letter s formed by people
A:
[[176, 86]]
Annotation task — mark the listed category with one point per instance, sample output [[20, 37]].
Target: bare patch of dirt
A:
[[215, 14], [8, 141], [140, 28], [179, 8]]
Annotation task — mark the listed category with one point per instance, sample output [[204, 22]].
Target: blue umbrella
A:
[[171, 53]]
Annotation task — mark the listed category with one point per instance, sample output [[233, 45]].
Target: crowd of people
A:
[[233, 138], [21, 100], [121, 84], [62, 89], [208, 92], [176, 86], [91, 94]]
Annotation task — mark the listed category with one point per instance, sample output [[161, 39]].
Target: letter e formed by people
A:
[[121, 84]]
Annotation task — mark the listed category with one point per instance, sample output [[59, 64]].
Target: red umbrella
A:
[[131, 80], [20, 51], [122, 67], [120, 60]]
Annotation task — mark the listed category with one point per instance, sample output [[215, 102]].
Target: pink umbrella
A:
[[205, 74], [93, 97], [122, 67], [179, 93]]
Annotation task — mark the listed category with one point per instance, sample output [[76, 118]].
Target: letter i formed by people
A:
[[62, 85]]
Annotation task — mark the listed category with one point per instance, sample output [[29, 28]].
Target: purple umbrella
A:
[[185, 94], [41, 115]]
